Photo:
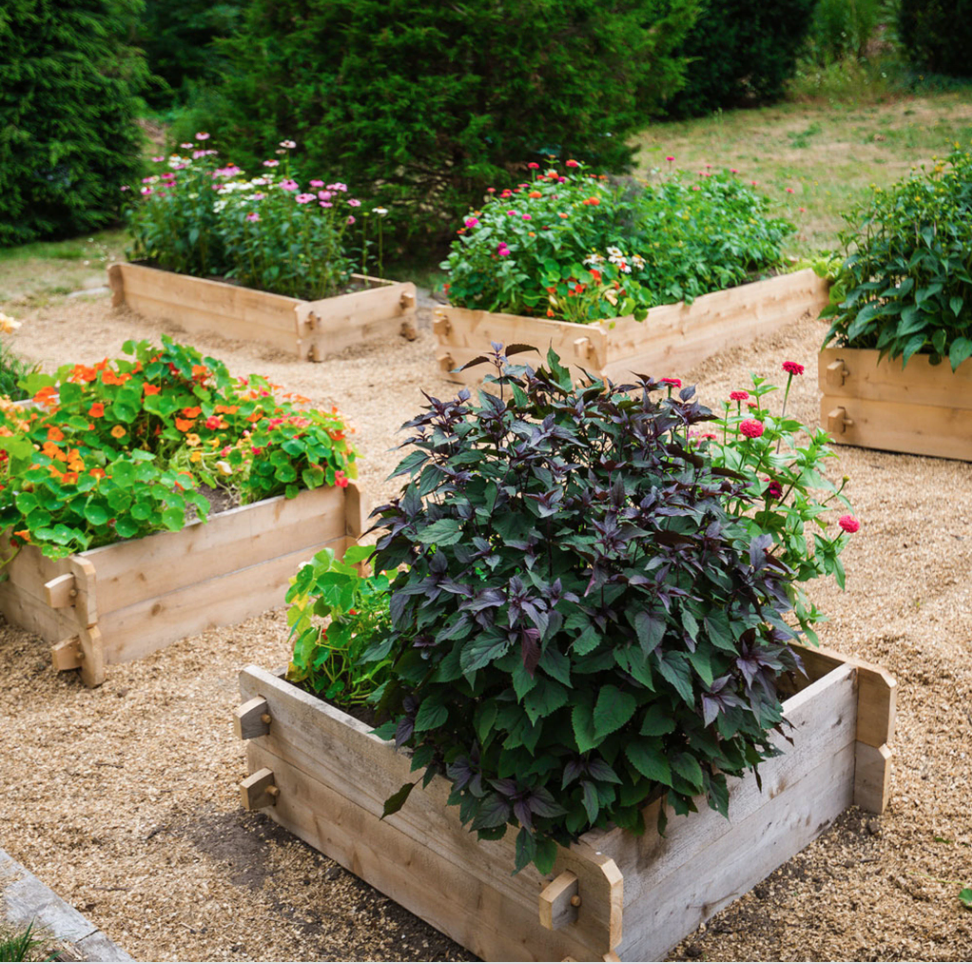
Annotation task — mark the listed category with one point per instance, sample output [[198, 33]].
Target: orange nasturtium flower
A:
[[195, 457], [151, 389], [69, 478], [24, 534], [97, 472], [54, 434], [110, 378], [192, 412], [97, 410], [192, 439], [184, 424], [118, 431]]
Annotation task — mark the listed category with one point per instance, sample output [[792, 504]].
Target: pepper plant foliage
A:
[[583, 620], [906, 284]]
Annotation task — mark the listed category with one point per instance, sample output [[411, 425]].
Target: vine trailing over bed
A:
[[588, 611]]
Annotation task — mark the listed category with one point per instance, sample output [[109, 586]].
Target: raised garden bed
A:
[[308, 329], [671, 339], [125, 600], [921, 408], [321, 774]]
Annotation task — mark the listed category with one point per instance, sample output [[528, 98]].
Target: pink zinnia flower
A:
[[848, 523], [674, 382], [202, 136], [733, 170], [534, 166], [305, 198], [803, 210], [527, 217], [752, 403], [739, 396], [253, 216], [491, 190], [317, 184], [571, 164], [792, 368], [354, 202], [471, 222], [695, 187], [271, 163], [158, 159], [774, 490], [325, 204], [789, 190], [670, 158], [324, 195], [350, 219], [289, 185], [753, 183], [751, 428], [187, 146], [502, 250]]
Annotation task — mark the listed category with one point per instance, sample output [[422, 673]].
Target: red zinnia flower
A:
[[533, 165], [751, 428], [739, 396], [792, 368], [676, 382], [848, 523]]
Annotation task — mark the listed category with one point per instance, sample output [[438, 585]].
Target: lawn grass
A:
[[828, 153]]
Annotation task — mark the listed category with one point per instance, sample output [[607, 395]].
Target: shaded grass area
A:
[[32, 274], [828, 154]]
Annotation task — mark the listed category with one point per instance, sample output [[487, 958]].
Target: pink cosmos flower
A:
[[695, 187], [739, 396], [471, 222], [289, 185], [305, 198], [325, 204], [188, 146], [324, 195], [751, 428], [289, 145], [159, 159], [253, 216], [792, 368], [354, 202], [271, 163], [317, 184], [202, 136], [848, 523], [350, 219]]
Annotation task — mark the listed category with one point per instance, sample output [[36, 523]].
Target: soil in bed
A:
[[127, 794]]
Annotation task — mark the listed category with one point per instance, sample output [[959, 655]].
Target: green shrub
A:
[[201, 216], [424, 104], [937, 35], [68, 139], [906, 285], [177, 37], [741, 53], [842, 28], [597, 598], [578, 247]]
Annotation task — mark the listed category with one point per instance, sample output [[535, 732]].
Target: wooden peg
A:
[[61, 591], [837, 421], [441, 324], [409, 330], [407, 300], [445, 361], [258, 790], [583, 347], [67, 654], [312, 320], [314, 354], [92, 656], [836, 372], [557, 907], [252, 719]]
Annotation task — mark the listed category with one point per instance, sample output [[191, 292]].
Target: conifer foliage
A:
[[68, 139]]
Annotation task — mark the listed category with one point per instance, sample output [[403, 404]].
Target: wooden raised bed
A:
[[309, 329], [322, 775], [126, 600], [671, 339], [920, 408]]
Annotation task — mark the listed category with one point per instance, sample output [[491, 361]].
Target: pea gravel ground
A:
[[124, 800]]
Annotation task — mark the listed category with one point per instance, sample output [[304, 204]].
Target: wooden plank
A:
[[252, 719], [85, 600], [140, 569], [671, 339], [66, 655], [674, 905], [330, 325], [877, 692], [149, 625], [823, 716], [872, 777], [92, 655], [858, 374], [943, 432], [361, 771], [61, 591]]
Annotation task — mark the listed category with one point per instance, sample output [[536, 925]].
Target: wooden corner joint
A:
[[446, 362], [407, 300], [258, 790], [440, 324], [837, 369], [252, 719], [62, 591], [838, 421], [67, 654], [560, 901]]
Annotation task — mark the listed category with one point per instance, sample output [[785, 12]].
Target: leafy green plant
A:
[[117, 450], [937, 35], [68, 105], [906, 283], [13, 369], [579, 247], [429, 103], [842, 28], [20, 946], [590, 612], [199, 216], [327, 658], [965, 896]]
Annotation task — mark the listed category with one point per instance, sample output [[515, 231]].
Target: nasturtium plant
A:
[[119, 449], [335, 614], [906, 285], [571, 245], [586, 612]]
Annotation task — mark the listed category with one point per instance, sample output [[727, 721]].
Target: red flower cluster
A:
[[751, 428], [848, 523], [739, 396], [792, 368], [676, 382]]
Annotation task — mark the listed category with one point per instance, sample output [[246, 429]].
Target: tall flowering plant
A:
[[122, 448], [571, 245], [202, 216]]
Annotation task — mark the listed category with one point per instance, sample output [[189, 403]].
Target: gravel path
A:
[[123, 799]]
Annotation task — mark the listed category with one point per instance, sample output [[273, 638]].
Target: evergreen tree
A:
[[68, 138]]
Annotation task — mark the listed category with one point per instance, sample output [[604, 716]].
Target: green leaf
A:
[[546, 855], [700, 662], [613, 709], [482, 650], [173, 519], [650, 630], [431, 715], [590, 800], [545, 698], [965, 895], [648, 758], [955, 303], [97, 513], [445, 532], [582, 718], [960, 350], [657, 722], [685, 765], [397, 800]]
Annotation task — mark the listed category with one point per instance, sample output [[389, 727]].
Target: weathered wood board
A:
[[920, 408], [671, 339], [321, 774], [126, 600], [309, 329]]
